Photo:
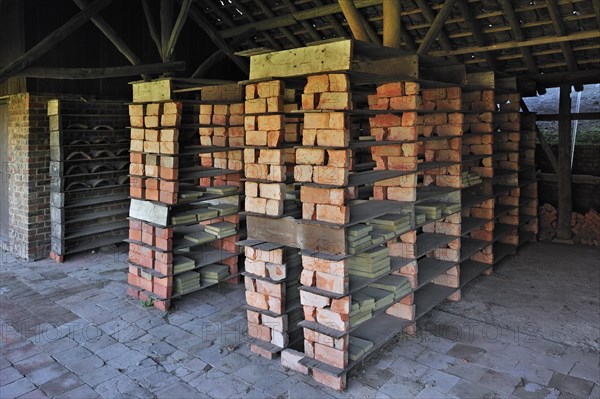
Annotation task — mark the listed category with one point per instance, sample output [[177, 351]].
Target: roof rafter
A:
[[513, 21], [471, 22], [430, 17], [436, 27], [270, 14]]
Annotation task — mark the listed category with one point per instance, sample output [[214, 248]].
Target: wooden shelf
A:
[[429, 296]]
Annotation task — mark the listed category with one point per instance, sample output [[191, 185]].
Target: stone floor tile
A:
[[180, 390], [20, 352], [9, 375], [500, 382], [82, 391], [61, 384], [100, 375], [531, 390], [399, 387], [121, 386], [465, 389], [439, 380], [45, 374], [36, 394], [569, 384], [16, 388], [587, 372]]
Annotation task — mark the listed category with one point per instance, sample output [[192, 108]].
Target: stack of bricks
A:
[[150, 263], [264, 162], [327, 127], [528, 200], [447, 125], [477, 142], [154, 173], [271, 279], [154, 148], [405, 124], [507, 124]]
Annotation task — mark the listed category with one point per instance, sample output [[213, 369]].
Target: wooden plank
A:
[[51, 40], [429, 296], [281, 231], [515, 25], [176, 31], [303, 61], [321, 238], [429, 16], [149, 212], [580, 116], [480, 81], [166, 25], [157, 90], [565, 200], [401, 68], [227, 93], [476, 31]]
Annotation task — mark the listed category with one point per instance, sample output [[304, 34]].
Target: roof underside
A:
[[282, 24]]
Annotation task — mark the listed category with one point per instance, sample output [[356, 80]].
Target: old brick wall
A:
[[29, 182]]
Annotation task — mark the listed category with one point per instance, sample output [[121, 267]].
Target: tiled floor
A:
[[70, 331]]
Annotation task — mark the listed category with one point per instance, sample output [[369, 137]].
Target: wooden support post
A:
[[545, 146], [436, 27], [565, 205], [174, 36], [515, 26], [392, 11], [166, 25], [471, 23], [443, 39], [339, 29], [354, 21], [214, 58], [152, 26], [52, 39]]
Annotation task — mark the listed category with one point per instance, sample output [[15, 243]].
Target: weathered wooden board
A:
[[225, 93], [149, 212], [480, 81], [302, 61], [281, 231], [157, 90]]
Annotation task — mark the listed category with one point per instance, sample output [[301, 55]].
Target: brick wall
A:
[[585, 162], [29, 182]]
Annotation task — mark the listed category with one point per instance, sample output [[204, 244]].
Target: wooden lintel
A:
[[50, 41], [101, 73], [454, 74], [436, 27], [558, 78], [507, 84], [324, 58], [480, 81]]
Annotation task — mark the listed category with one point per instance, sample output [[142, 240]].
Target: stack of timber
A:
[[89, 181], [185, 193]]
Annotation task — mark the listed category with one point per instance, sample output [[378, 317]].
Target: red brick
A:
[[390, 90], [317, 84]]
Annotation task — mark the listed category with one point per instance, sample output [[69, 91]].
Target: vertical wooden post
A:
[[353, 17], [565, 204], [392, 12]]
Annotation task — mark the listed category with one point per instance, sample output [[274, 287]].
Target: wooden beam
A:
[[565, 204], [560, 30], [409, 41], [177, 28], [581, 116], [556, 79], [545, 146], [352, 15], [339, 29], [111, 35], [315, 36], [515, 25], [293, 18], [371, 32], [101, 73], [206, 26], [429, 16], [50, 41], [274, 43], [475, 29], [286, 32], [229, 22], [152, 26], [538, 41], [166, 25], [392, 34], [596, 6], [213, 59], [436, 27]]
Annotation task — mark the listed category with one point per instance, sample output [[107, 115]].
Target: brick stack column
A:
[[324, 171], [507, 122], [478, 200], [448, 122], [406, 126], [154, 177], [528, 201], [271, 270]]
